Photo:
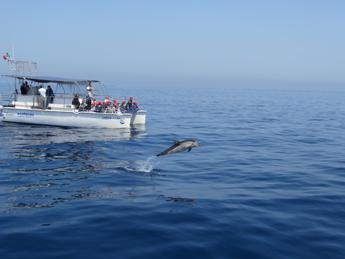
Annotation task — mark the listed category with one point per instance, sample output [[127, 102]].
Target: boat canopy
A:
[[58, 80]]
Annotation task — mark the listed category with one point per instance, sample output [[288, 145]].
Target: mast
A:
[[16, 74]]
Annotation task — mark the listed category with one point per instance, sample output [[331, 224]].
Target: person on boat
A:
[[135, 106], [42, 92], [129, 104], [23, 89], [99, 107], [93, 104], [115, 105], [88, 103], [107, 104], [82, 104], [50, 94], [123, 106], [107, 101], [27, 87], [76, 102], [89, 90]]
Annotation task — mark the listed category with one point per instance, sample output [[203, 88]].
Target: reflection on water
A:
[[45, 166], [41, 135]]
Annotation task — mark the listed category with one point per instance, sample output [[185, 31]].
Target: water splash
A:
[[141, 166]]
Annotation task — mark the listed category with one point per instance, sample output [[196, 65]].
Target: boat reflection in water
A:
[[40, 135], [46, 166]]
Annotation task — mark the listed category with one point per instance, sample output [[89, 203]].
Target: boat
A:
[[34, 108]]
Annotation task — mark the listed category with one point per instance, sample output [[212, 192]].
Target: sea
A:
[[268, 180]]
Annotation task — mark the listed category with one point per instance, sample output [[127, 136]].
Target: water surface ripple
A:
[[267, 182]]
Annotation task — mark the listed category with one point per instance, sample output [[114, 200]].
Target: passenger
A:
[[76, 102], [135, 106], [82, 104], [101, 106], [89, 90], [50, 95], [27, 87], [129, 104], [98, 107], [107, 101], [88, 103], [115, 106], [106, 105], [23, 89], [123, 106], [42, 91]]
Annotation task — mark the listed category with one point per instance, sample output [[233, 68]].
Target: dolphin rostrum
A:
[[180, 146]]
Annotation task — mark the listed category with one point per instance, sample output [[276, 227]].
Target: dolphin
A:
[[180, 146]]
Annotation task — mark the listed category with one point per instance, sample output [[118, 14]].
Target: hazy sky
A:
[[148, 41]]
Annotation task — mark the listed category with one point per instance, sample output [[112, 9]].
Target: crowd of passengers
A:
[[46, 96], [106, 106], [89, 103]]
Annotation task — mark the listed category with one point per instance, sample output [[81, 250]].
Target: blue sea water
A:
[[267, 182]]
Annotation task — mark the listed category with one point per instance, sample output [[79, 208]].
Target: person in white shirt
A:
[[42, 92], [89, 90]]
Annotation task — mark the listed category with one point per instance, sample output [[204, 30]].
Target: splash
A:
[[142, 166]]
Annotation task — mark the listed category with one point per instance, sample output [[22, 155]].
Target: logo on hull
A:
[[25, 114]]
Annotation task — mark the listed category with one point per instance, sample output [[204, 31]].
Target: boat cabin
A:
[[27, 93]]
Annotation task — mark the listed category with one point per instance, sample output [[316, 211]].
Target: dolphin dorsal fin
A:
[[175, 141]]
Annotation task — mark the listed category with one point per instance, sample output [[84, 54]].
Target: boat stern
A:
[[138, 117]]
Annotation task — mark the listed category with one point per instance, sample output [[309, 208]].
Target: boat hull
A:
[[66, 118]]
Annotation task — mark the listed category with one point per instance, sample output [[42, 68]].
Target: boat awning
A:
[[59, 80]]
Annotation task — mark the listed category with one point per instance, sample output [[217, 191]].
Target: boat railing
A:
[[61, 101], [117, 98], [7, 98]]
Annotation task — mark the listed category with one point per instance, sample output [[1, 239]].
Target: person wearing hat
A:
[[106, 104], [123, 106], [135, 106], [115, 106], [99, 106], [107, 100]]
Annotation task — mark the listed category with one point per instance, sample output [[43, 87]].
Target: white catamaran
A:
[[67, 103]]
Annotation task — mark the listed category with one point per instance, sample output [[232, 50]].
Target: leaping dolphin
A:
[[180, 146]]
